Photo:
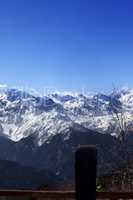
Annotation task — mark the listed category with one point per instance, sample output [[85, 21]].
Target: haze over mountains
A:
[[44, 132]]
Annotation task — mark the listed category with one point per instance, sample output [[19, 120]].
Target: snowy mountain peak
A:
[[23, 114]]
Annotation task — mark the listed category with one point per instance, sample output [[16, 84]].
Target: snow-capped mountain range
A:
[[23, 114]]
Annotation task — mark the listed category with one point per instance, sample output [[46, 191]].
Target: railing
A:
[[63, 194]]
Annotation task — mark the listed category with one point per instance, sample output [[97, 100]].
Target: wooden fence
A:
[[63, 194]]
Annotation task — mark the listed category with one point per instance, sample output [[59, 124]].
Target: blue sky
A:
[[66, 44]]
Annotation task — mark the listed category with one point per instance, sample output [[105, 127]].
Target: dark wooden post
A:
[[85, 173]]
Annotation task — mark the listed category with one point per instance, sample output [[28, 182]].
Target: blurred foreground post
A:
[[85, 173]]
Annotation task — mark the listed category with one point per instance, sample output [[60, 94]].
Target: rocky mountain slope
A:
[[22, 114], [57, 155], [44, 132]]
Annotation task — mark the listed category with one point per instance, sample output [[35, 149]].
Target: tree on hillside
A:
[[120, 114]]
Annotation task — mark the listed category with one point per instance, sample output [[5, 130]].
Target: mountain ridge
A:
[[22, 114]]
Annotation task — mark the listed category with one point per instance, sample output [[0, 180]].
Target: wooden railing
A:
[[63, 194]]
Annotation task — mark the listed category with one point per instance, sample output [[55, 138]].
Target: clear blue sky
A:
[[67, 44]]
